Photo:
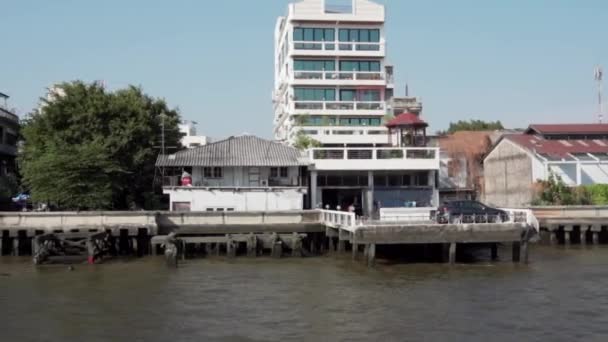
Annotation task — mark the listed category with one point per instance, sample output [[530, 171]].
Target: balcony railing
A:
[[6, 114], [426, 153], [340, 75], [341, 105], [336, 45]]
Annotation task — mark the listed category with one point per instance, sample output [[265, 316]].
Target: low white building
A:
[[577, 153], [244, 173]]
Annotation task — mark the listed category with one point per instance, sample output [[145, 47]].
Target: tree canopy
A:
[[474, 125], [89, 148]]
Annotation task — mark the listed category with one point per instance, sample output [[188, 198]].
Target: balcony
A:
[[375, 158], [334, 48], [347, 134], [8, 116], [339, 77], [339, 107]]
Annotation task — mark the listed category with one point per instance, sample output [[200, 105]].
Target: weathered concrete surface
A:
[[441, 233], [508, 176]]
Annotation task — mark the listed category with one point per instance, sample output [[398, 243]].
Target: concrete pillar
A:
[[16, 246], [452, 255], [341, 246], [252, 245], [566, 237], [313, 189], [370, 195], [583, 232], [296, 245], [524, 251], [371, 254], [596, 238], [355, 249], [553, 237], [516, 251], [494, 251]]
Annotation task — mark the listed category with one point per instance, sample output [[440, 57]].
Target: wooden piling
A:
[[16, 246], [596, 238], [567, 230], [583, 236], [252, 245], [516, 247], [230, 246], [452, 252], [296, 245]]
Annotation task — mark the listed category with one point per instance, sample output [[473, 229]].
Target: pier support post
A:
[[332, 247], [341, 246], [553, 237], [452, 253], [371, 254], [16, 246], [494, 251], [596, 238], [230, 247], [524, 251], [583, 232], [516, 251], [252, 245], [277, 246], [135, 246], [567, 231], [296, 245]]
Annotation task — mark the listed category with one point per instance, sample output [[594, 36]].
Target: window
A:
[[347, 95], [181, 206], [315, 94], [313, 65], [370, 95], [309, 34], [359, 35], [360, 66], [212, 172], [276, 172]]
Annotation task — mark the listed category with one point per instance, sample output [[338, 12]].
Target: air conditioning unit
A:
[[264, 182]]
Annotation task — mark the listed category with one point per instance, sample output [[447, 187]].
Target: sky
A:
[[518, 61]]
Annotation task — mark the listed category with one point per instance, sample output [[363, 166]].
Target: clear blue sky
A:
[[519, 61]]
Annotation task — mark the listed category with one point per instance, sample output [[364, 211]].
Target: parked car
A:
[[469, 212]]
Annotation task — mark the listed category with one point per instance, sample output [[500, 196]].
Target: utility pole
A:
[[599, 74], [162, 134]]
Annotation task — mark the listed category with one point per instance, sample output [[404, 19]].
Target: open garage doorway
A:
[[343, 198]]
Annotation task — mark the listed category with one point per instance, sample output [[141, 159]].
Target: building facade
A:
[[9, 133], [577, 153], [333, 84], [190, 138], [244, 173]]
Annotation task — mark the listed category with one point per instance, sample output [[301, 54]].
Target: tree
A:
[[304, 142], [93, 149], [473, 125]]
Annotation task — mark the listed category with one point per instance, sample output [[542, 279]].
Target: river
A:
[[562, 295]]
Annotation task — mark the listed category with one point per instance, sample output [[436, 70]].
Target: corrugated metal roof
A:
[[595, 128], [243, 150], [558, 148]]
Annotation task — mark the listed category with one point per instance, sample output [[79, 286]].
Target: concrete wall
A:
[[508, 176], [238, 200]]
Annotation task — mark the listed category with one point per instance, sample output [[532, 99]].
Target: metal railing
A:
[[339, 75], [374, 153], [339, 219], [342, 46], [6, 114], [339, 105]]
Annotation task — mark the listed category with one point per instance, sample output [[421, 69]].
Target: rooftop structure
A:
[[9, 132], [189, 137]]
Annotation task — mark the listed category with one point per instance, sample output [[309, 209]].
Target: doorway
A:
[[343, 198]]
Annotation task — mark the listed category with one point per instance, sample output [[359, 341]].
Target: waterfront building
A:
[[333, 85], [9, 132], [190, 138], [578, 153], [243, 173]]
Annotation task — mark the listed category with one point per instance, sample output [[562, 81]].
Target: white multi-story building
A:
[[331, 80], [332, 84], [189, 137]]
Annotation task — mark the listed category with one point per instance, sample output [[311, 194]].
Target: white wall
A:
[[251, 200], [239, 177]]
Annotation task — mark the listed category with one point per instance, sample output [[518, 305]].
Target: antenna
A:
[[407, 90], [599, 74]]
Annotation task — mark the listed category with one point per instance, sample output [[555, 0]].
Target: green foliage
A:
[[304, 142], [473, 125], [93, 149], [598, 193], [554, 191]]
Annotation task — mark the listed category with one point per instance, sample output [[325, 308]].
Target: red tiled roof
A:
[[569, 128], [406, 119], [558, 148]]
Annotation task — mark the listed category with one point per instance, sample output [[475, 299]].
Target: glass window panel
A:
[[330, 35], [343, 35], [330, 65], [374, 36], [375, 122], [364, 35], [354, 35], [319, 94], [298, 65], [299, 93], [298, 34], [363, 66], [309, 94], [319, 32], [374, 66], [330, 94], [309, 34], [347, 95], [344, 122], [347, 65]]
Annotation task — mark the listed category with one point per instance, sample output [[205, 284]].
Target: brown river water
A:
[[562, 295]]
